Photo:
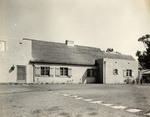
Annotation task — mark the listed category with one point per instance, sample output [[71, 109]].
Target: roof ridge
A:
[[89, 47], [46, 41], [63, 43], [118, 54]]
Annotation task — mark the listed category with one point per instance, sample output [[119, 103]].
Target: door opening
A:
[[21, 74]]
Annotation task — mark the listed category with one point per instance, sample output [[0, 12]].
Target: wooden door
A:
[[21, 74]]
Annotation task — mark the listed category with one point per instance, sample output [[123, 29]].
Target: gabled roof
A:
[[59, 53], [116, 56]]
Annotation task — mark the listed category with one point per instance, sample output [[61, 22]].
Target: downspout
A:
[[104, 72], [33, 72]]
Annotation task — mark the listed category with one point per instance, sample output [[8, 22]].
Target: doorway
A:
[[21, 74]]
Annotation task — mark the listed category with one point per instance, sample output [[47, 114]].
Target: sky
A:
[[103, 24]]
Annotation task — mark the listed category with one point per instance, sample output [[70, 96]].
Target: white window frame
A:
[[129, 72], [46, 71], [90, 72], [64, 71], [115, 71]]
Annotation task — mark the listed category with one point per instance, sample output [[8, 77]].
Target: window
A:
[[115, 71], [2, 46], [63, 71], [45, 71], [129, 72], [91, 73]]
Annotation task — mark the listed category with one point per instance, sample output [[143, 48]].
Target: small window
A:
[[45, 71], [90, 73], [63, 71], [129, 72], [115, 71], [2, 46]]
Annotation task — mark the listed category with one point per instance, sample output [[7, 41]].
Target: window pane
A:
[[128, 72], [42, 70], [65, 72], [61, 71], [115, 71], [90, 72], [47, 69]]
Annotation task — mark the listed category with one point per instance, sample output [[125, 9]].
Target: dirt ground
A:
[[74, 100]]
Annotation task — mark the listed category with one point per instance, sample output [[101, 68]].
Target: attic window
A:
[[2, 46]]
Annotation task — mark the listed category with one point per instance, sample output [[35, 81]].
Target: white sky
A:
[[97, 23]]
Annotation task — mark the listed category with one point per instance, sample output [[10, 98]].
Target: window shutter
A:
[[124, 73], [113, 72], [57, 72], [69, 72], [37, 71], [132, 73], [51, 72]]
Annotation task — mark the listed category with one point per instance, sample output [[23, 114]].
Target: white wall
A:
[[18, 52], [79, 75], [121, 65]]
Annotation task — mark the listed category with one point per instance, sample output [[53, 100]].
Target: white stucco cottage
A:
[[33, 61]]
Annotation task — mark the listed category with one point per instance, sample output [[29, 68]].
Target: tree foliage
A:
[[144, 57], [109, 50]]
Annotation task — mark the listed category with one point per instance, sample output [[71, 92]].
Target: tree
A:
[[144, 57], [109, 50]]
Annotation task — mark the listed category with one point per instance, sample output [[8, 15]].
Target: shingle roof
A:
[[51, 52], [116, 56]]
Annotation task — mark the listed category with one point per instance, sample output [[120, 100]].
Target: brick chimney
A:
[[69, 43]]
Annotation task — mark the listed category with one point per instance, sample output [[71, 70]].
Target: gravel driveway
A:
[[74, 100]]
